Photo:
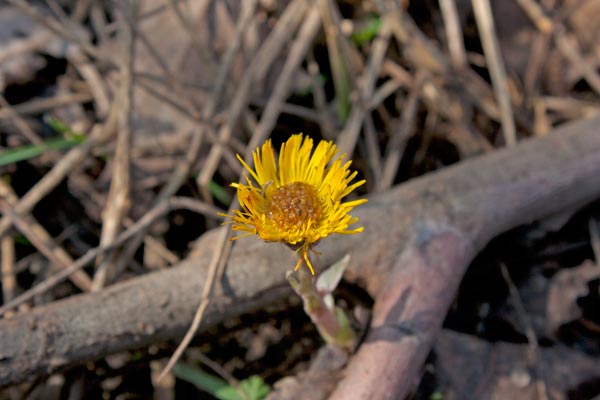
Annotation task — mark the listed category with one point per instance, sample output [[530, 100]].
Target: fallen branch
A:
[[418, 240]]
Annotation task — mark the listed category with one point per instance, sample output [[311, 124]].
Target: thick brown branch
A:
[[440, 223], [417, 242]]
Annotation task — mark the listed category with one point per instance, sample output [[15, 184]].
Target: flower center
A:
[[293, 205]]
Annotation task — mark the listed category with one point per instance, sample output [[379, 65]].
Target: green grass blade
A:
[[202, 380], [30, 151], [219, 193]]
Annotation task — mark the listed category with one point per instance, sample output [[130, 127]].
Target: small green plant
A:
[[436, 396], [252, 388], [368, 32], [21, 239]]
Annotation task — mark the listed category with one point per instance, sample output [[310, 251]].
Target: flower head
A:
[[297, 200]]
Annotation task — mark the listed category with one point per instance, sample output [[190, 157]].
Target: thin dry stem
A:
[[45, 245], [265, 56], [349, 135], [20, 123], [59, 29], [298, 50], [33, 43], [395, 148], [175, 181], [118, 202], [207, 61], [140, 226], [90, 73], [456, 46], [37, 106], [537, 15], [217, 263], [485, 23], [218, 260], [9, 280], [534, 350], [569, 48], [40, 238], [565, 42]]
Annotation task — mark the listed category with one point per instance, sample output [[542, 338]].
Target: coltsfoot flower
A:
[[297, 200]]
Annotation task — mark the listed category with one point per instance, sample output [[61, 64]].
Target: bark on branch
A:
[[417, 242]]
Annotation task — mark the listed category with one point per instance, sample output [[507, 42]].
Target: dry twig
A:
[[491, 50], [61, 30], [140, 226], [217, 263], [395, 148], [37, 106], [118, 201], [100, 134], [39, 237], [534, 350], [456, 46], [349, 135], [7, 268], [265, 56]]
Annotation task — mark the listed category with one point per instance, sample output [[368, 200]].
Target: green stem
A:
[[331, 322]]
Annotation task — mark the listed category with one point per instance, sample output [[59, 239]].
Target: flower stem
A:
[[330, 320]]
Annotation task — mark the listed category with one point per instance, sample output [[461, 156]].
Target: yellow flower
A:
[[298, 200]]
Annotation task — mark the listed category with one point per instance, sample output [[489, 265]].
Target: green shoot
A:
[[253, 388]]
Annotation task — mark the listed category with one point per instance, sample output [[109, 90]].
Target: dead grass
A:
[[167, 92]]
